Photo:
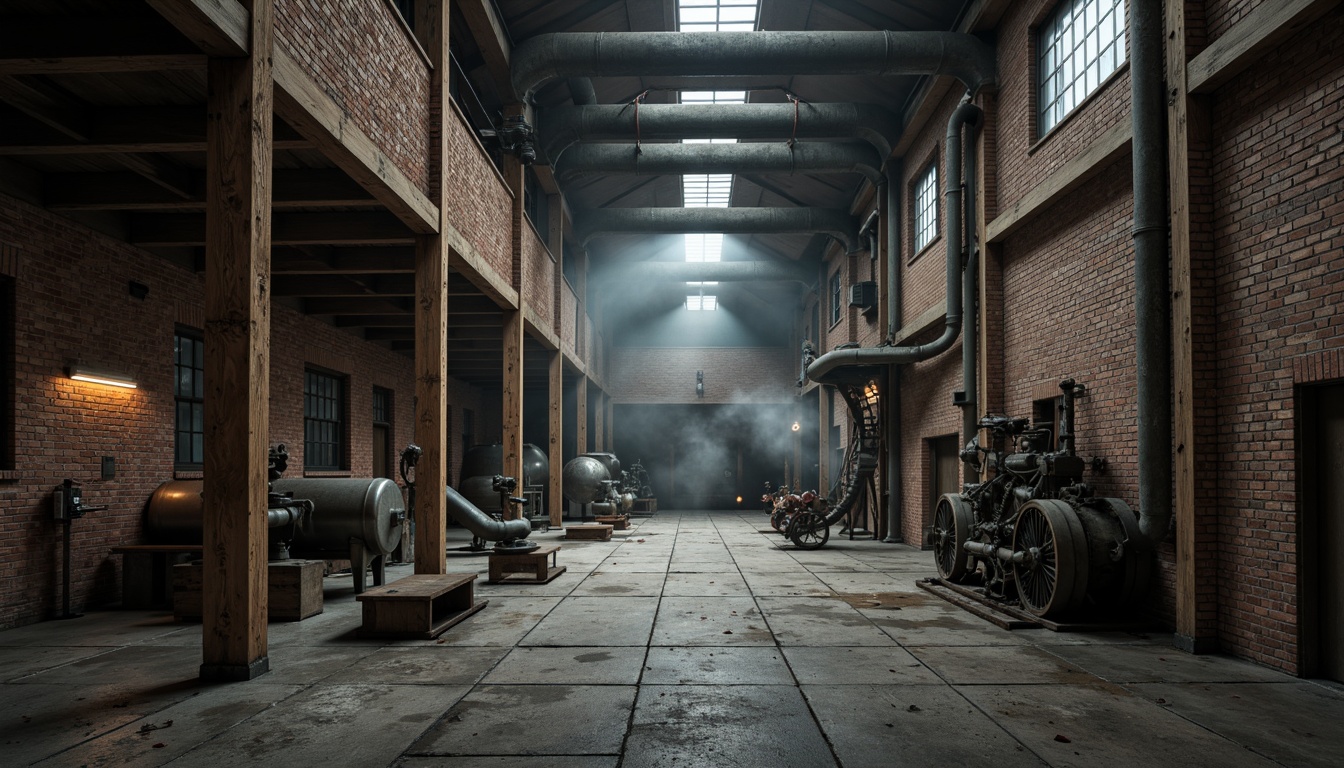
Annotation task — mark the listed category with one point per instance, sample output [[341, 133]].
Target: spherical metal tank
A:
[[536, 467], [480, 491], [346, 508], [582, 480], [175, 513], [482, 462], [609, 461]]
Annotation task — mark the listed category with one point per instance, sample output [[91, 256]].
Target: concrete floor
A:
[[692, 641]]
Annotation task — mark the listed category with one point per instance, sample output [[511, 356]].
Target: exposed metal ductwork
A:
[[744, 54], [561, 127], [831, 364], [664, 159], [711, 271], [836, 222], [1152, 291]]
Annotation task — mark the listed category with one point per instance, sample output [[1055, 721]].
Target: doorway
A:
[[1320, 534], [944, 469]]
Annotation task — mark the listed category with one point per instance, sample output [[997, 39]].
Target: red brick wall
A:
[[364, 58], [1278, 233], [539, 272], [1222, 15], [480, 205], [732, 375], [73, 307], [568, 321]]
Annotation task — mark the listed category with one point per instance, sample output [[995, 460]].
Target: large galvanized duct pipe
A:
[[836, 222], [1152, 291], [892, 392], [561, 127], [710, 271], [834, 362], [668, 159], [970, 287], [744, 54], [482, 525]]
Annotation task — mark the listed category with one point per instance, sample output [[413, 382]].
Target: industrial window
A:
[[926, 208], [323, 421], [189, 398], [1077, 47], [382, 405], [835, 297], [7, 409], [716, 15]]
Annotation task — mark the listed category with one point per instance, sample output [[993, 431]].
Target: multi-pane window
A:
[[189, 398], [702, 302], [382, 405], [8, 413], [716, 15], [1080, 45], [926, 208], [835, 297], [323, 421]]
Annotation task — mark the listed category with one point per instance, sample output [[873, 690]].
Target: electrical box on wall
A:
[[863, 295]]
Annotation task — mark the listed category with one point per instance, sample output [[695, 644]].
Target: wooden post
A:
[[581, 416], [511, 388], [600, 423], [610, 423], [557, 420], [431, 317], [237, 355]]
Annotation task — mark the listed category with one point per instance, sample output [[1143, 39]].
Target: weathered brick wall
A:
[[539, 272], [924, 272], [480, 205], [1222, 15], [364, 59], [72, 306], [732, 374], [568, 321], [1278, 234]]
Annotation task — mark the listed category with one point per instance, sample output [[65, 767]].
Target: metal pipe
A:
[[894, 321], [1001, 553], [835, 361], [709, 271], [581, 91], [970, 286], [744, 54], [1152, 292], [562, 126], [483, 525], [891, 401], [836, 222], [663, 159]]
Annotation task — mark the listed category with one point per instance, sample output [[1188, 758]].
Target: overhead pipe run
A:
[[663, 159], [710, 271], [563, 126], [830, 366], [1152, 291], [745, 54], [836, 222]]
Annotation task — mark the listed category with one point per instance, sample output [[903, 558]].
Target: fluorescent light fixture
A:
[[96, 376]]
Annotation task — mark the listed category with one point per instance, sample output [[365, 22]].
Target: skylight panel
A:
[[716, 15], [702, 303]]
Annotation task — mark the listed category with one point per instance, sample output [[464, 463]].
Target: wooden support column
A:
[[555, 241], [511, 389], [610, 423], [581, 416], [237, 355], [1192, 329], [555, 454], [600, 423], [431, 316]]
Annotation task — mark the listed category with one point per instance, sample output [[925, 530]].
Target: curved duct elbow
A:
[[670, 159], [470, 516], [836, 222], [643, 54]]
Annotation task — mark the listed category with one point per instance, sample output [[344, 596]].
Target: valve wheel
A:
[[952, 519], [1054, 579], [809, 530]]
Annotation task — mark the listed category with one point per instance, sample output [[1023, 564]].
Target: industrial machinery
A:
[[484, 526], [1033, 531], [314, 518], [588, 480], [482, 463], [636, 481]]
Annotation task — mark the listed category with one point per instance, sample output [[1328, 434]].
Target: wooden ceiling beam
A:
[[287, 228], [341, 286], [489, 32], [84, 131], [127, 191], [217, 27]]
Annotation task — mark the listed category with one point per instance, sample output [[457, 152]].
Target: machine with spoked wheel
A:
[[1033, 531]]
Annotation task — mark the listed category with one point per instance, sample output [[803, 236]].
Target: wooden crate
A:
[[525, 568], [294, 590], [645, 505], [588, 532], [147, 572], [422, 605], [617, 522]]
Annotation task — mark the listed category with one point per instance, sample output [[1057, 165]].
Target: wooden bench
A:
[[525, 568], [617, 522], [422, 605], [588, 532], [293, 590], [147, 572]]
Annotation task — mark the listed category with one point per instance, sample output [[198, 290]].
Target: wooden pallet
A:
[[525, 568], [649, 505], [421, 606], [1012, 617], [617, 522], [588, 532]]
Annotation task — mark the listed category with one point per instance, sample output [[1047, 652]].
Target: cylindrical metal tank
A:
[[582, 480], [175, 514]]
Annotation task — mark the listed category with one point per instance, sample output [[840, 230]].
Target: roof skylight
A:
[[716, 15]]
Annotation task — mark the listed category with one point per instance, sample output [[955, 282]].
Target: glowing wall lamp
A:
[[97, 376]]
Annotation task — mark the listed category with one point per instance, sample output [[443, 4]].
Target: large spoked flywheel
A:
[[809, 530], [952, 519], [1053, 577]]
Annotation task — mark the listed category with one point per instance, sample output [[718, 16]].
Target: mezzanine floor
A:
[[692, 641]]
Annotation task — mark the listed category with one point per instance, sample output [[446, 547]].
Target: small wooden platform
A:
[[525, 568], [588, 532], [645, 505], [421, 606], [617, 522]]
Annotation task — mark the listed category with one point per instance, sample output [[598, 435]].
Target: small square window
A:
[[926, 208]]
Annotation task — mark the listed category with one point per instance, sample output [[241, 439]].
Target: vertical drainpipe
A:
[[970, 295], [1152, 299], [893, 388]]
